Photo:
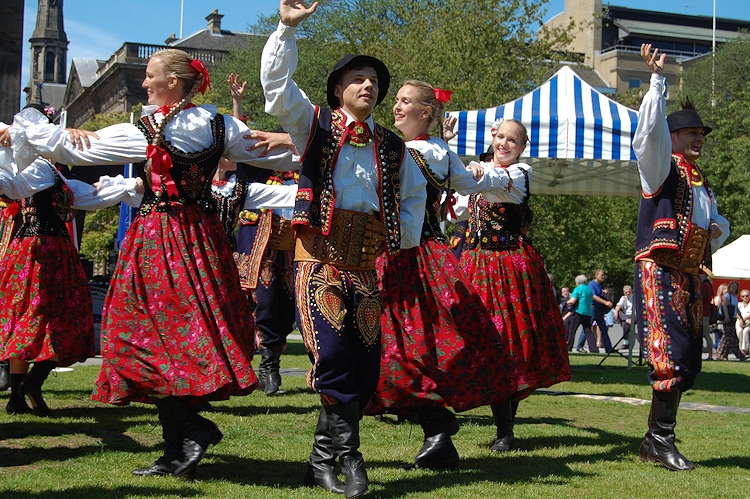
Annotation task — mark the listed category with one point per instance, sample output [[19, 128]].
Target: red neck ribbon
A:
[[425, 136], [161, 162]]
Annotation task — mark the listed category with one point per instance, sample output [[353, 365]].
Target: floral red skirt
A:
[[514, 287], [175, 319], [439, 346], [46, 302]]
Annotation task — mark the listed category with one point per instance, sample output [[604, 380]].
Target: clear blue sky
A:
[[96, 29]]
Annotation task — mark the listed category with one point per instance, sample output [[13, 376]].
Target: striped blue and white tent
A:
[[580, 140]]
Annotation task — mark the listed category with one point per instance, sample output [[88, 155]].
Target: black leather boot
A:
[[438, 451], [270, 364], [321, 470], [343, 422], [658, 445], [17, 402], [32, 386], [173, 455], [504, 415], [197, 433]]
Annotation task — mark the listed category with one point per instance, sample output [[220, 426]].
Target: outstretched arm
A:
[[652, 143]]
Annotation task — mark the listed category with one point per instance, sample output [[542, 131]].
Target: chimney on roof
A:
[[214, 22], [172, 38]]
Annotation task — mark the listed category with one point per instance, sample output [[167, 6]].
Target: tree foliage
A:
[[728, 146]]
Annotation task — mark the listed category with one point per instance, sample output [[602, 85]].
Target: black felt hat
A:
[[686, 118], [487, 155], [352, 61]]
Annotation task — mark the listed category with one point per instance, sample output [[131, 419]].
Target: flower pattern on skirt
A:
[[514, 286], [46, 302], [175, 320], [439, 345]]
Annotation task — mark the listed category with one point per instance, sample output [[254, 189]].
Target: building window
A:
[[49, 67], [634, 83]]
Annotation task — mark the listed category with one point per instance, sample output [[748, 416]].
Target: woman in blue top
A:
[[582, 298]]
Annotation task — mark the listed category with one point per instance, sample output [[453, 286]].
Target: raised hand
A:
[[655, 65], [237, 89], [448, 125], [294, 12]]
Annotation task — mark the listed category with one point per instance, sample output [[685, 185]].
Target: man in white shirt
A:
[[678, 223], [359, 191]]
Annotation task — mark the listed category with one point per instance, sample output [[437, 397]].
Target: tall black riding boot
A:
[[197, 432], [17, 402], [659, 443], [321, 470], [438, 451], [343, 421], [270, 364], [504, 420], [32, 385], [173, 455]]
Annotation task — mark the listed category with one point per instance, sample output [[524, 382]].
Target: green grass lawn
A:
[[566, 446]]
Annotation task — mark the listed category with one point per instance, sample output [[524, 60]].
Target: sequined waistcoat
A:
[[191, 171], [664, 218], [45, 213], [229, 206], [316, 197], [435, 187], [498, 226]]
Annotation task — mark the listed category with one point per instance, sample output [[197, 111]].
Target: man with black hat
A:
[[360, 193], [678, 225]]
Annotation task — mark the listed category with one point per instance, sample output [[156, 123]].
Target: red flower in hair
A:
[[442, 95], [201, 68]]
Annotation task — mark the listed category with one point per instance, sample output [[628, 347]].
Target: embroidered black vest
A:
[[45, 213], [664, 218], [229, 206], [498, 226], [316, 198], [435, 187], [191, 172]]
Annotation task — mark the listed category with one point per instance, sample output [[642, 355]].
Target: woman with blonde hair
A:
[[439, 345], [509, 275], [175, 322]]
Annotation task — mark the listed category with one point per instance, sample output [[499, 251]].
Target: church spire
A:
[[49, 49]]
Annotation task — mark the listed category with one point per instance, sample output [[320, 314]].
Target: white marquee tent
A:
[[580, 140], [731, 261]]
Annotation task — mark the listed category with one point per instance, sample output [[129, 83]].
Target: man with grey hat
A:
[[360, 193], [678, 226]]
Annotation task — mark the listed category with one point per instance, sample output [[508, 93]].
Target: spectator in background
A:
[[581, 298], [567, 311], [707, 293], [624, 313], [601, 305], [729, 342], [717, 303], [743, 321]]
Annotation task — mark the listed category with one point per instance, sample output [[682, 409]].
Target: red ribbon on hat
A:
[[442, 95], [160, 165], [198, 66]]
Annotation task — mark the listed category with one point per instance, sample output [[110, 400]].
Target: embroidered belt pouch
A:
[[354, 242]]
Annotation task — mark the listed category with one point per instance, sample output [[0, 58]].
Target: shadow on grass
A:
[[608, 375], [122, 492]]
